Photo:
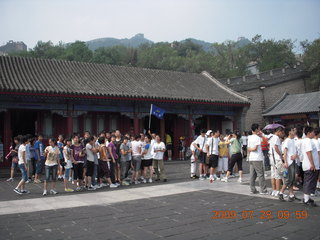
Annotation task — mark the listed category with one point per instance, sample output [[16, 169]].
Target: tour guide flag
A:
[[156, 111]]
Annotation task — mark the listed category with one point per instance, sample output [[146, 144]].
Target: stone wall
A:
[[264, 98]]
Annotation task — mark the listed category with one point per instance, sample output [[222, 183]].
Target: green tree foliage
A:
[[225, 60]]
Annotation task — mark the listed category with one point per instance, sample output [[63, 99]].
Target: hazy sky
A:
[[159, 20]]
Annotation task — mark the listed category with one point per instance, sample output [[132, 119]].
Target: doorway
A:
[[23, 122]]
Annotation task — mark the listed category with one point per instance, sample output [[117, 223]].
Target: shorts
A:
[[136, 163], [202, 157], [169, 147], [213, 161], [78, 171], [104, 169], [51, 173], [235, 158], [290, 180], [39, 166], [67, 173], [276, 173], [223, 164], [14, 164], [117, 161], [146, 163], [24, 174], [90, 169], [310, 181]]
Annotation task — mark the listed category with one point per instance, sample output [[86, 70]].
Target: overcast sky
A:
[[159, 20]]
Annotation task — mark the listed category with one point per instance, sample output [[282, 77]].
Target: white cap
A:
[[209, 132]]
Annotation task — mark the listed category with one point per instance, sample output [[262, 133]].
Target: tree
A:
[[77, 51]]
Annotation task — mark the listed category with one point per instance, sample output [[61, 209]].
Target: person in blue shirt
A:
[[39, 149], [62, 162]]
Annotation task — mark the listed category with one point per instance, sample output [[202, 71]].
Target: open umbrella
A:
[[273, 126]]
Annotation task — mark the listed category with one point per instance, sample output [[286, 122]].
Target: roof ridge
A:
[[221, 85], [276, 103]]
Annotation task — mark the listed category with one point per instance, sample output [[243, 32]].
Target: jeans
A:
[[125, 166], [266, 158], [256, 170], [24, 174], [51, 173], [40, 165], [67, 173]]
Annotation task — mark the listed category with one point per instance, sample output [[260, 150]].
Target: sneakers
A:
[[103, 185], [150, 180], [273, 193], [25, 191], [240, 180], [136, 182], [254, 192], [201, 178], [70, 179], [291, 199], [125, 183], [225, 179], [113, 185], [53, 192], [78, 189], [91, 188], [10, 180], [281, 197], [144, 180], [45, 193], [310, 202], [37, 181], [68, 190], [29, 180], [232, 176], [17, 191]]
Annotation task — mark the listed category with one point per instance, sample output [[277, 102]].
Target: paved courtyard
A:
[[179, 209]]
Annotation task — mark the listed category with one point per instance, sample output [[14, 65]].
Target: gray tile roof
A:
[[295, 104], [34, 75]]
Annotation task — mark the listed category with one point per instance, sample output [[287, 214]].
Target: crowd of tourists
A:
[[88, 162], [292, 154]]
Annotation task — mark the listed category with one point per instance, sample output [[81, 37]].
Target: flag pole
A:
[[150, 116]]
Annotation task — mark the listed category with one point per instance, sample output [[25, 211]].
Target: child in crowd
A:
[[67, 155], [223, 157]]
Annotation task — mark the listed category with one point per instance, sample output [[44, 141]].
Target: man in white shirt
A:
[[159, 148], [276, 161], [290, 154], [212, 149], [256, 161], [136, 158], [199, 144], [310, 165]]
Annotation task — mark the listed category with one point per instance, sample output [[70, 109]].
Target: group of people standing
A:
[[292, 153], [90, 162]]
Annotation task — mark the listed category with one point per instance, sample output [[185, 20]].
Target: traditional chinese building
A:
[[61, 97], [295, 109]]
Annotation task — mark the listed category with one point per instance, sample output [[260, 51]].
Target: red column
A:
[[7, 134]]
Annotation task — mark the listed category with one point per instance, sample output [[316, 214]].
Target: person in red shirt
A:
[[265, 150]]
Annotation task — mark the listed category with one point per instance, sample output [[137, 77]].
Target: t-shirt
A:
[[67, 157], [113, 150], [308, 145], [21, 150], [53, 156], [135, 148], [89, 153], [168, 139], [38, 146], [291, 147], [76, 153], [117, 144], [223, 149], [298, 143], [274, 140], [60, 146], [158, 146], [235, 145], [253, 141], [244, 140], [213, 144], [201, 141], [149, 154], [124, 147]]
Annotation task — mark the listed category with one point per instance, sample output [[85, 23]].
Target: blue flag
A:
[[156, 111]]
